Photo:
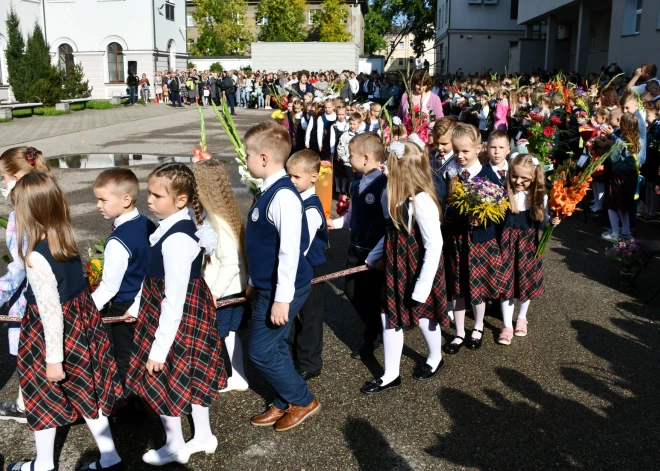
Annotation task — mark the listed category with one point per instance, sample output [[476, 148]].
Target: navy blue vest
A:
[[316, 252], [327, 124], [134, 236], [69, 275], [338, 135], [156, 267], [368, 222], [522, 220], [440, 182], [263, 241]]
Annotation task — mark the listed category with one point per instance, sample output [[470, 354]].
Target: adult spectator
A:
[[345, 93], [303, 86], [322, 84], [268, 84], [144, 83], [132, 83], [422, 96], [369, 86], [229, 90], [645, 74], [173, 85], [355, 86], [426, 66]]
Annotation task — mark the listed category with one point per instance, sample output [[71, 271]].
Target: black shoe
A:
[[306, 375], [115, 467], [9, 411], [453, 348], [376, 386], [425, 371], [366, 350], [16, 466], [474, 344]]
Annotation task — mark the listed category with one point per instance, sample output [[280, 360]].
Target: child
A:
[[443, 161], [64, 361], [601, 121], [524, 279], [399, 130], [623, 179], [629, 104], [373, 118], [176, 367], [323, 125], [14, 164], [415, 287], [336, 131], [125, 258], [502, 112], [650, 167], [367, 218], [343, 154], [498, 151], [225, 271], [276, 239], [308, 124], [482, 116], [473, 251], [296, 130], [307, 333]]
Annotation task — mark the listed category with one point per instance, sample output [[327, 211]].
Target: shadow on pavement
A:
[[370, 448]]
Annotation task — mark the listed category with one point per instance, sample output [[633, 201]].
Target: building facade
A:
[[474, 35], [403, 56], [584, 35], [354, 23], [108, 38]]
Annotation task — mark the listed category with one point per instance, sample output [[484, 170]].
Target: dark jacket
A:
[[132, 81], [227, 85], [174, 84]]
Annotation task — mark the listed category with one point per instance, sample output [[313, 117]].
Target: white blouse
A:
[[225, 273], [524, 204]]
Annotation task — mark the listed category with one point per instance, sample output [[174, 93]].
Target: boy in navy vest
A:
[[307, 332], [280, 276], [125, 257], [367, 218]]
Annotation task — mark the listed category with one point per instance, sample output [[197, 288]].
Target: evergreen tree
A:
[[285, 20], [45, 80], [222, 28], [15, 57], [331, 22], [75, 85]]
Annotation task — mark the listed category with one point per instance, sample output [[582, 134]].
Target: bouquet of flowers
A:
[[200, 153], [417, 121], [629, 254], [481, 199], [541, 136], [278, 115], [94, 267], [324, 186], [343, 203], [281, 100]]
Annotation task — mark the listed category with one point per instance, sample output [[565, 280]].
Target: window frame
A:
[[311, 15], [119, 64], [69, 60], [190, 20], [169, 11]]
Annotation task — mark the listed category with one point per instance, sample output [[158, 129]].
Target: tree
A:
[[47, 80], [221, 28], [284, 20], [331, 22], [14, 53], [75, 85]]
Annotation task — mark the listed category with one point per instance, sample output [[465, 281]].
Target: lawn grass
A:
[[43, 111], [99, 105]]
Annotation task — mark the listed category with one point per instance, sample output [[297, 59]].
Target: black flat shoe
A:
[[306, 375], [376, 386], [425, 371], [474, 344], [115, 467], [453, 348]]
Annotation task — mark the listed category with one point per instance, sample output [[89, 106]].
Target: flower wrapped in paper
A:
[[324, 187], [94, 267], [481, 199]]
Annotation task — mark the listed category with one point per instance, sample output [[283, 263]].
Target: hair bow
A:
[[535, 161], [396, 120], [31, 155], [415, 139], [398, 148]]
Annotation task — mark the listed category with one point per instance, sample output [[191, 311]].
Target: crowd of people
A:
[[171, 285]]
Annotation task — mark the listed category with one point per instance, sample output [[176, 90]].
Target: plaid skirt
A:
[[194, 372], [475, 268], [522, 274], [91, 382], [622, 190], [404, 255]]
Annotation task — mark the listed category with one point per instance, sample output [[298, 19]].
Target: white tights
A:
[[459, 319], [508, 308], [235, 352], [393, 346], [174, 441], [616, 215]]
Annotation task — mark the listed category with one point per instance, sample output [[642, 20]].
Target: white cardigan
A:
[[226, 273]]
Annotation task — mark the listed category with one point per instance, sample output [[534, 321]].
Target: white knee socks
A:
[[200, 415], [19, 400], [459, 318], [433, 337], [479, 314], [100, 429], [45, 442], [523, 306], [174, 436], [507, 312], [235, 352], [393, 348]]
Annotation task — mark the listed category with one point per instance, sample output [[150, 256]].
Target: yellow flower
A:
[[96, 264], [278, 114]]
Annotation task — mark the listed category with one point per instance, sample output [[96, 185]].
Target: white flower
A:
[[398, 148], [415, 139], [208, 238]]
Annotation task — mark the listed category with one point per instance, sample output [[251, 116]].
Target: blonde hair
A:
[[408, 176], [307, 159], [536, 189], [269, 136], [442, 126], [42, 211], [367, 143], [180, 180], [22, 160], [118, 180], [467, 131]]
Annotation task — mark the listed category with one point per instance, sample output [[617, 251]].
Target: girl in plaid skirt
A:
[[65, 366], [522, 271], [414, 292], [473, 252], [175, 366]]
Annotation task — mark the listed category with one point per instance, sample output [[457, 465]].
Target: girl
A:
[[175, 367], [323, 125], [523, 279], [414, 269], [623, 178], [473, 252], [65, 366], [502, 112], [14, 163], [482, 116], [296, 131], [259, 90], [309, 124], [373, 118], [225, 271], [650, 167]]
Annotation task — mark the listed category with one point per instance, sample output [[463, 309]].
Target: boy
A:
[[443, 159], [125, 257], [498, 151], [276, 238], [354, 124], [336, 131], [307, 332], [629, 104], [367, 218]]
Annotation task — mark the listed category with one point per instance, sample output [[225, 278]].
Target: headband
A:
[[31, 155]]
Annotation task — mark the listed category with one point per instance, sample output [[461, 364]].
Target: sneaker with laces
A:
[[9, 411]]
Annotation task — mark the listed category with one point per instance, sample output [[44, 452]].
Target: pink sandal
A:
[[505, 336], [521, 328]]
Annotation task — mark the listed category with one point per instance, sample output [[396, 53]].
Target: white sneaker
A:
[[610, 236], [193, 447], [268, 108], [153, 458], [235, 383]]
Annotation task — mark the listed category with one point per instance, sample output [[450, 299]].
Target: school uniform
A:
[[311, 136], [276, 239], [337, 130], [294, 130], [62, 325], [323, 125], [126, 255], [500, 172], [307, 332], [367, 217], [443, 169], [176, 325]]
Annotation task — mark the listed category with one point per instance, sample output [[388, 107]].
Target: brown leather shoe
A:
[[268, 418], [295, 415]]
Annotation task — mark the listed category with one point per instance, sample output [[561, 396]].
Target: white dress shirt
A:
[[474, 169], [319, 127], [338, 126], [309, 128], [285, 213], [225, 273], [355, 85], [314, 219], [504, 167], [345, 220], [523, 203], [115, 264]]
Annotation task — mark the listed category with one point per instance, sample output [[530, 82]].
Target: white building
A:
[[583, 35], [474, 35], [108, 38]]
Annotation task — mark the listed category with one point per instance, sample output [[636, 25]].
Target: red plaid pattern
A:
[[404, 254], [457, 253], [485, 271], [194, 372], [522, 274], [91, 383]]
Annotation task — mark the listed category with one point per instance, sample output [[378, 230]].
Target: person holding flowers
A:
[[522, 270], [419, 98]]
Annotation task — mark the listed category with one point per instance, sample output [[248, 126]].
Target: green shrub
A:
[[191, 65], [217, 67], [4, 120]]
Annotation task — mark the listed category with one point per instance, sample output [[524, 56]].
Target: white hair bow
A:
[[396, 120], [398, 148], [535, 161], [415, 139]]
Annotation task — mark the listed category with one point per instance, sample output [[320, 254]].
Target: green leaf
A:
[[3, 222]]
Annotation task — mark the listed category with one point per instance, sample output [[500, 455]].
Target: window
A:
[[514, 9], [190, 21], [344, 18], [400, 45], [538, 31], [490, 2], [447, 11], [169, 11], [115, 63], [400, 62], [632, 17], [262, 21], [312, 16], [65, 55]]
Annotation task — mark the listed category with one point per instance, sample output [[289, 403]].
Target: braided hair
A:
[[180, 181]]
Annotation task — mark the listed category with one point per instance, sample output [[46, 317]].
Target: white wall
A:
[[631, 52], [204, 63], [479, 53], [309, 56], [28, 13], [370, 63], [536, 9], [170, 30], [464, 15]]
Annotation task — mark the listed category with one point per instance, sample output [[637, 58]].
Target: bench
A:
[[72, 101], [6, 110]]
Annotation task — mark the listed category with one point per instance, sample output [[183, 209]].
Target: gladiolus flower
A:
[[555, 120]]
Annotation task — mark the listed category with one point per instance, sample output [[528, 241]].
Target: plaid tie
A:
[[466, 175], [114, 226], [257, 195], [502, 174]]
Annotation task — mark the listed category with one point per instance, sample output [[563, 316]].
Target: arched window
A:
[[115, 63], [65, 54]]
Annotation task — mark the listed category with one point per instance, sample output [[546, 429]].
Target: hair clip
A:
[[398, 148], [415, 139], [535, 161], [396, 121], [31, 155]]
